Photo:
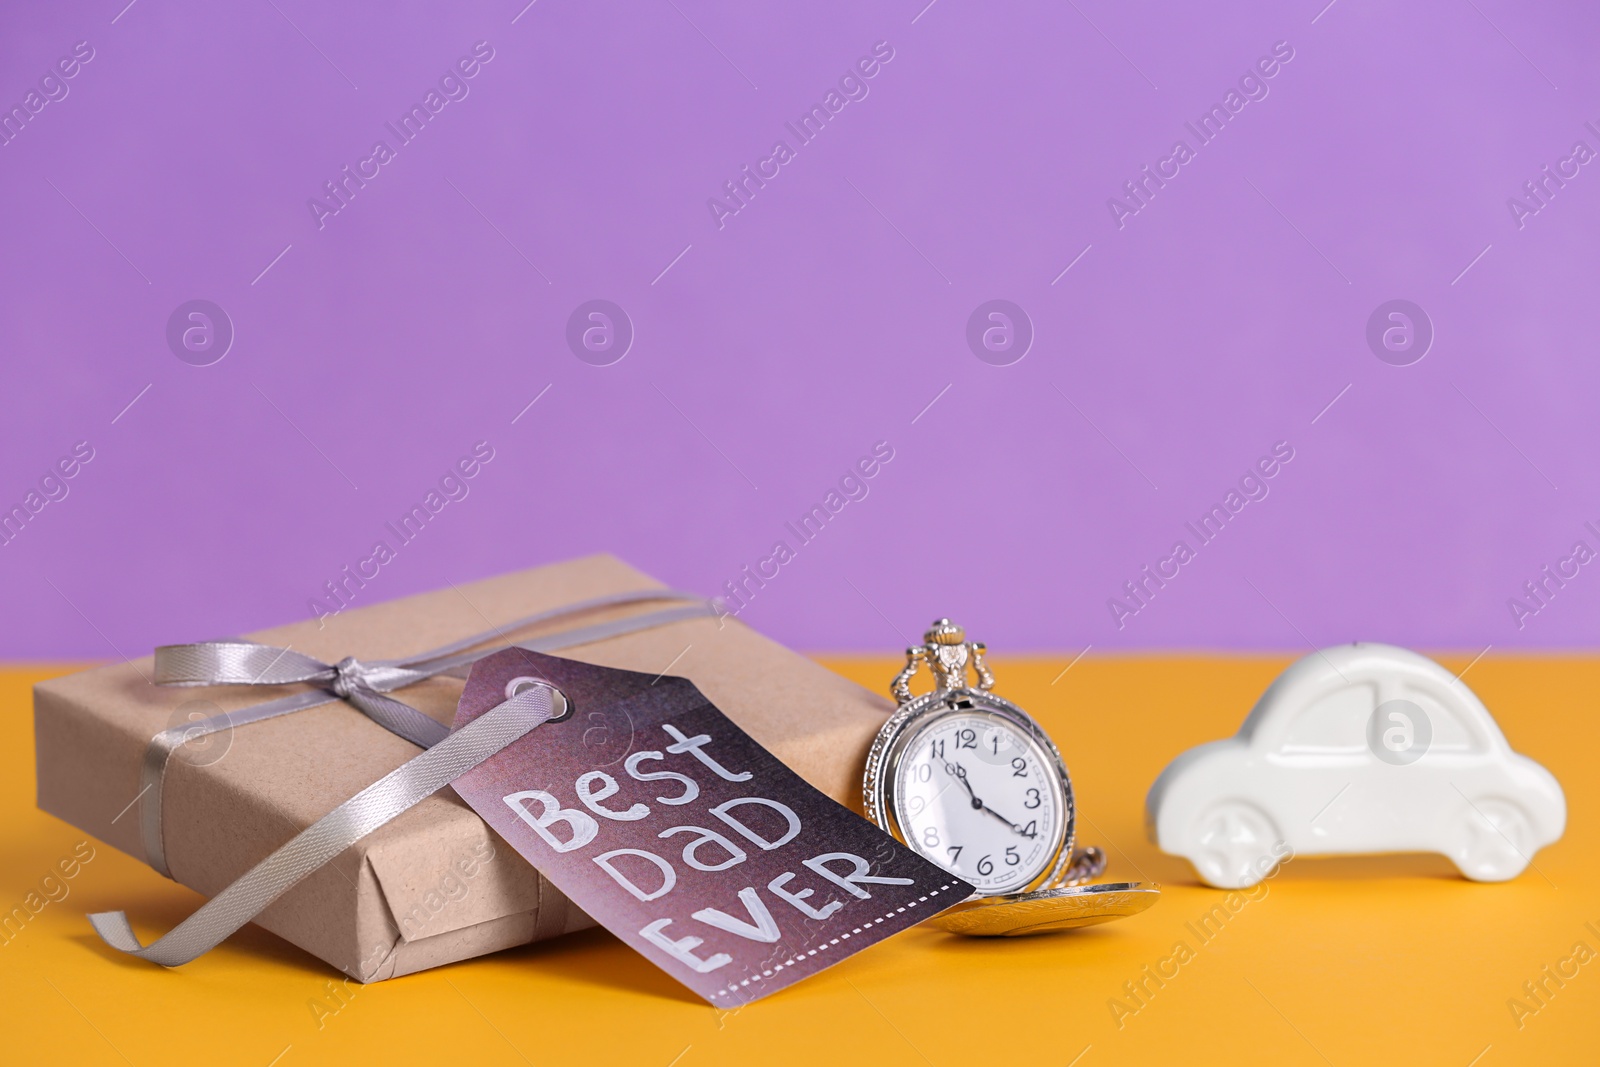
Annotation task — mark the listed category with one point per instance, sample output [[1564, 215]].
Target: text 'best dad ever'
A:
[[572, 829]]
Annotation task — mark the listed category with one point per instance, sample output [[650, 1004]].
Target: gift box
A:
[[435, 885]]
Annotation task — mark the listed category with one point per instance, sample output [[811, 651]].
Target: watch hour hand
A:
[[959, 773]]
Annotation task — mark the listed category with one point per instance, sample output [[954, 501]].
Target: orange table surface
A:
[[1344, 961]]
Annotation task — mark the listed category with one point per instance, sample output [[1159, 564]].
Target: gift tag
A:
[[673, 829]]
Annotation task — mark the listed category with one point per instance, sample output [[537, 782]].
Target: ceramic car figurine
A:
[[1358, 748]]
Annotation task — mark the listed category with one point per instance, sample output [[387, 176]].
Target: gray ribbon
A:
[[361, 684], [247, 663], [336, 831]]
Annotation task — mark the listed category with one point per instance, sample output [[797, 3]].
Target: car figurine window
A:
[[1334, 724], [1454, 724]]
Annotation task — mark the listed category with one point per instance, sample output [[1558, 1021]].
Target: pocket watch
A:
[[971, 782]]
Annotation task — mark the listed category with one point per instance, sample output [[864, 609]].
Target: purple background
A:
[[824, 316]]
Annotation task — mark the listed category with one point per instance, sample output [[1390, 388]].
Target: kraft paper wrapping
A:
[[435, 885]]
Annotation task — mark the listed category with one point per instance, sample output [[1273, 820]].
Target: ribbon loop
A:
[[236, 663]]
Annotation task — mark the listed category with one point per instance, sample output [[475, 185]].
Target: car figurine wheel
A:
[[1233, 844], [1496, 841]]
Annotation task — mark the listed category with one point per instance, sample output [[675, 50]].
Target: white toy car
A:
[[1357, 748]]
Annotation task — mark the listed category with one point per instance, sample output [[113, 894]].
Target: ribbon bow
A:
[[361, 684]]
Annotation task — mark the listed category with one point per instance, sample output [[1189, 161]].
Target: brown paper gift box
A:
[[435, 885]]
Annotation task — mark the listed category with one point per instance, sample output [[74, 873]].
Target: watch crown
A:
[[945, 632]]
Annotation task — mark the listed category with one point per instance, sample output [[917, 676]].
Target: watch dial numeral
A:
[[970, 781]]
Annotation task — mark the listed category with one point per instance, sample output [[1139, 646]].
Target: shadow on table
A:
[[589, 957], [955, 945], [595, 958], [1172, 871]]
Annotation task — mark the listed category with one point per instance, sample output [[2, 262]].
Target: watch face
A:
[[974, 792]]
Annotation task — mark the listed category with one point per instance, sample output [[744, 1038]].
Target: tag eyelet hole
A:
[[525, 682]]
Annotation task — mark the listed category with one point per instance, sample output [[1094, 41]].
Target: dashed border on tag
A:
[[797, 957]]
